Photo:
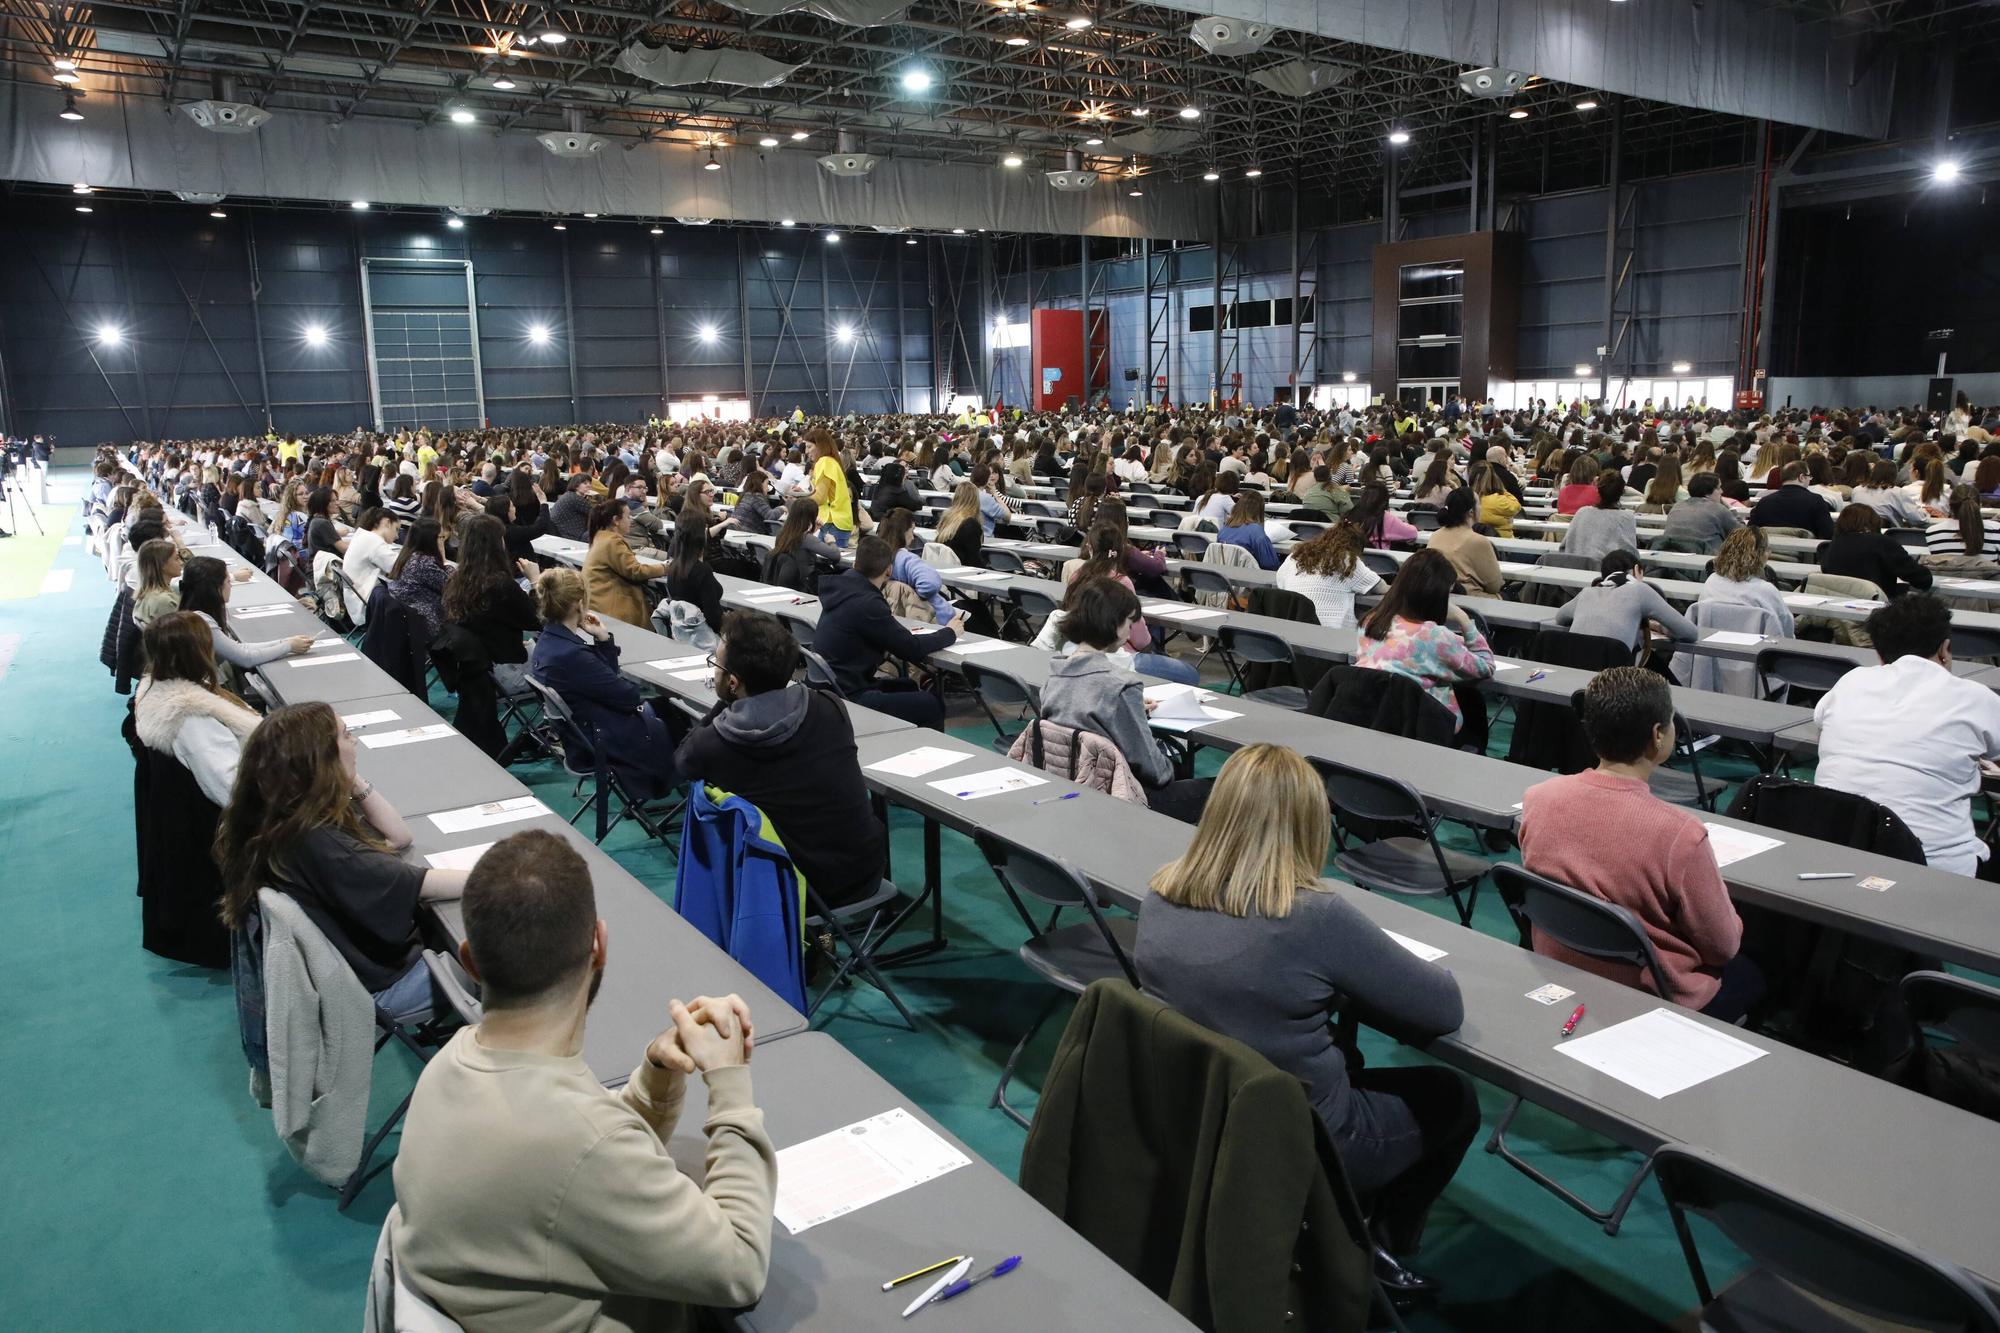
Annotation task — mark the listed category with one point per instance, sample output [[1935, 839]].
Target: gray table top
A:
[[246, 622], [830, 1277], [653, 955], [334, 682], [421, 777]]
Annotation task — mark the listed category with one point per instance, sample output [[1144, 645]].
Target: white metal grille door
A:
[[423, 343]]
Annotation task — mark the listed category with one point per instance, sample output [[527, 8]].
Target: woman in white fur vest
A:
[[181, 711]]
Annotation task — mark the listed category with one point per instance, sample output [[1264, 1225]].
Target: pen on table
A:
[[1826, 874], [1535, 676], [925, 1271], [1066, 796], [963, 1285], [1576, 1016]]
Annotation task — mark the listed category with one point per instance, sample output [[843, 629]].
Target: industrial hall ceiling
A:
[[1128, 89]]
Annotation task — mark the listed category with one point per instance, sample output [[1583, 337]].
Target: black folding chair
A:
[[1596, 929], [1007, 562], [1964, 1013], [1069, 957], [1382, 563], [1242, 648], [653, 814], [860, 929], [1808, 1257], [1305, 532], [1971, 643], [1399, 851], [1191, 545], [995, 688], [819, 675], [1796, 671]]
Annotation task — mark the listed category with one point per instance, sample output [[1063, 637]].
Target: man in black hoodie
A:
[[789, 751], [856, 632]]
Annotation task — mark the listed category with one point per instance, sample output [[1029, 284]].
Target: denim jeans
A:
[[1165, 668], [837, 535], [409, 998]]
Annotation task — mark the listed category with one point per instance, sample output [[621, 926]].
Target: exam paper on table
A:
[[322, 661], [260, 612], [1429, 953], [679, 663], [865, 1163], [780, 595], [369, 719], [485, 816], [915, 763], [382, 740], [458, 858], [1660, 1053], [1181, 708], [1735, 638], [977, 646], [1731, 845], [972, 786]]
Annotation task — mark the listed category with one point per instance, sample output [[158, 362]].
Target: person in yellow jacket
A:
[[830, 489]]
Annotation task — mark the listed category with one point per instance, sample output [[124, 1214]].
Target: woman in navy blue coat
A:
[[577, 658]]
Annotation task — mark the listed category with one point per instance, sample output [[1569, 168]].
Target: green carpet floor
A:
[[145, 1188]]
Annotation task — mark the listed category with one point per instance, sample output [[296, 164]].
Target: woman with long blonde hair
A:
[[1241, 935]]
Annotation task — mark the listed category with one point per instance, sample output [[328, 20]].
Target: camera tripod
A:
[[11, 483]]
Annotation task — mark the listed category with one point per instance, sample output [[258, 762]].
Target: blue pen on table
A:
[[963, 1285], [1066, 796], [1539, 675]]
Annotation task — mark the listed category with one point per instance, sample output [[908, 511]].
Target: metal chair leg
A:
[[1610, 1219], [999, 1099]]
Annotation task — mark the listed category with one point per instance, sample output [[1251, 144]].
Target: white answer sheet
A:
[[322, 661], [973, 647], [370, 719], [1731, 845], [382, 740], [915, 763], [1660, 1053], [972, 786], [458, 858], [470, 817], [1430, 953], [850, 1168]]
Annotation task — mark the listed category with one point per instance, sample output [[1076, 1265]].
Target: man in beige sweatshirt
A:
[[531, 1198]]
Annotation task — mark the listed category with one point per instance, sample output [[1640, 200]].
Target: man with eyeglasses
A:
[[788, 750]]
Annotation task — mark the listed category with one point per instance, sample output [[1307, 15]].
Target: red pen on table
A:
[[1574, 1018]]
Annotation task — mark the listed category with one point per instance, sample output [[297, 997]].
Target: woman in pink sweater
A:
[[1603, 832]]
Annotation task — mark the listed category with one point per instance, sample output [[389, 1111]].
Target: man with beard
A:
[[531, 1198], [789, 751]]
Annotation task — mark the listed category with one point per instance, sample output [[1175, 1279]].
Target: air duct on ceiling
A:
[[222, 113], [1492, 81], [572, 142], [1072, 177], [1301, 78], [848, 159], [852, 13], [1220, 35], [673, 69]]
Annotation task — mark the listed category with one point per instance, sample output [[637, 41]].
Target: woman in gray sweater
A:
[[1241, 935], [1089, 691], [1596, 530], [1618, 605]]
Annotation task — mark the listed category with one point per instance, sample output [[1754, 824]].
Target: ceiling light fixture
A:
[[1682, 367], [1078, 23], [1211, 175], [833, 238], [64, 62], [461, 116], [657, 231], [359, 205], [1583, 372], [958, 231], [711, 164], [1252, 173], [1017, 40], [798, 135], [1946, 171], [1093, 143], [910, 241], [504, 85], [768, 141], [80, 188], [1011, 160], [69, 111], [560, 226], [1190, 113], [1586, 104], [844, 333], [456, 224], [1399, 137], [109, 335], [1135, 194], [64, 76], [315, 335], [1518, 113], [1348, 377], [706, 333], [590, 215], [217, 213], [85, 208], [1141, 112], [538, 334], [553, 37], [788, 222], [916, 80]]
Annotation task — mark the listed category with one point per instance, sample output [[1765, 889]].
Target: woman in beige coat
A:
[[616, 577]]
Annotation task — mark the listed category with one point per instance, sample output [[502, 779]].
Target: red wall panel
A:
[[1055, 342]]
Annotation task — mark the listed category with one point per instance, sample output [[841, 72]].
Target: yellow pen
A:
[[921, 1272]]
